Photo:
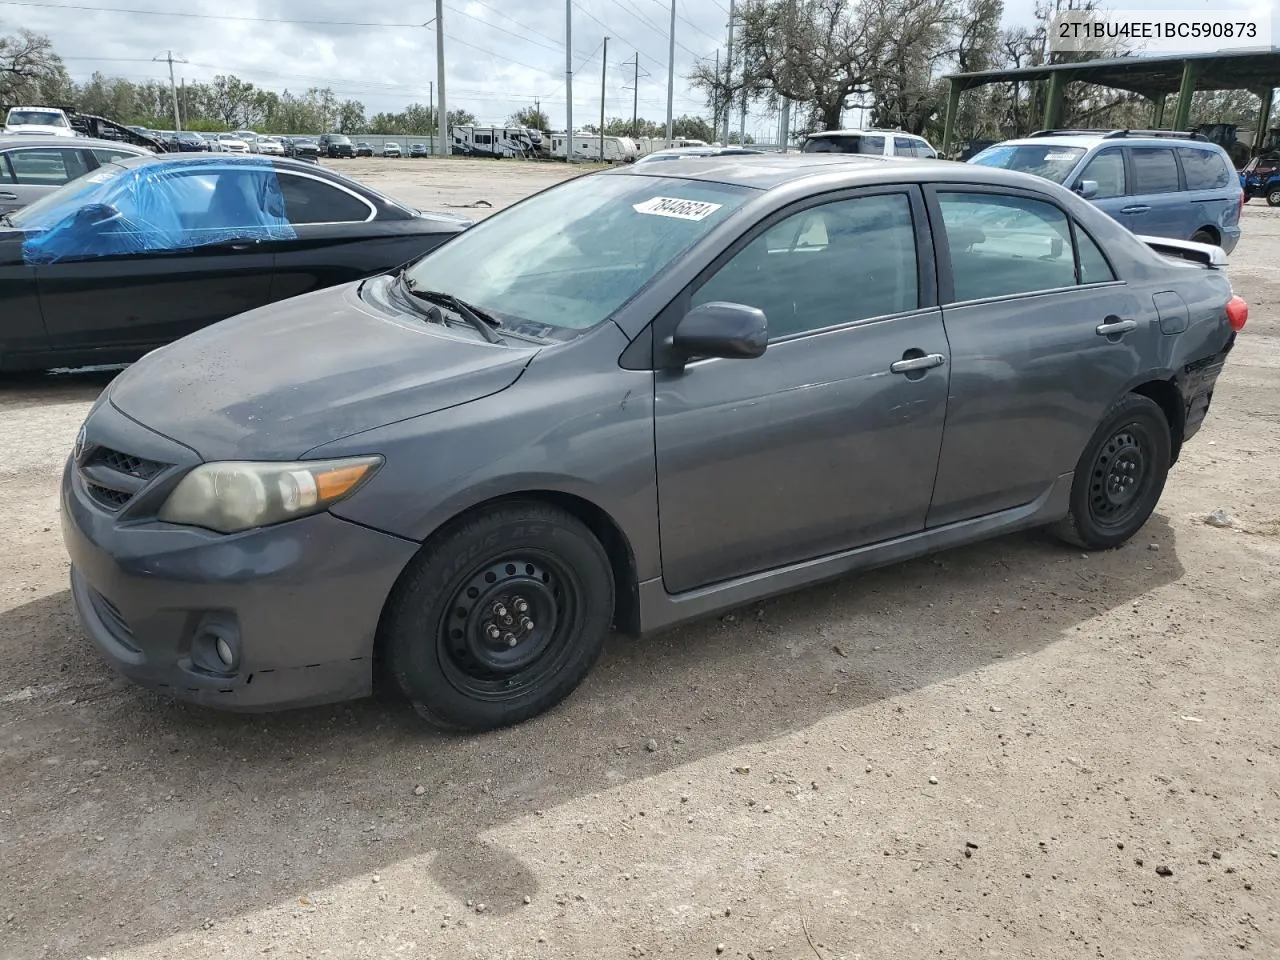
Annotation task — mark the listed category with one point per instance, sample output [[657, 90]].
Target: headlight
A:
[[232, 496]]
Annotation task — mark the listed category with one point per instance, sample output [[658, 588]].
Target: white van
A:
[[41, 121]]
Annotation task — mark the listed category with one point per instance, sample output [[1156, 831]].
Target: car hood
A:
[[276, 382]]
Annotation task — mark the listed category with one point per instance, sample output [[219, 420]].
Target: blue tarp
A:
[[165, 206]]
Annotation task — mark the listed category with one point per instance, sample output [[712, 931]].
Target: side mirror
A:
[[730, 331], [1087, 189], [94, 214]]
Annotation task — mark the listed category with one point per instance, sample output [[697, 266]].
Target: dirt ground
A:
[[994, 752]]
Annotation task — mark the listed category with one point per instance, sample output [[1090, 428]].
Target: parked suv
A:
[[1158, 183], [875, 143], [336, 145]]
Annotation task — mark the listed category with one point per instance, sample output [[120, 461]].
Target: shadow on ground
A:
[[133, 813]]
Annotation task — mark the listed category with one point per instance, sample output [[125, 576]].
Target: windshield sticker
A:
[[694, 210]]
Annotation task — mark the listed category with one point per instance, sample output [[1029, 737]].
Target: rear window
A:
[[1044, 160], [1203, 169], [1154, 170], [846, 143]]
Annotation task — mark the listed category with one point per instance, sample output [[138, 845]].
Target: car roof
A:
[[855, 132], [39, 140], [765, 171], [1087, 140]]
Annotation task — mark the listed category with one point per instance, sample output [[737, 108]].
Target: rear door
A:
[[204, 260], [1043, 338], [31, 172], [1213, 192], [1157, 205]]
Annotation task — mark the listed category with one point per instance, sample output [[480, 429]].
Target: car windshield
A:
[[572, 255], [52, 207], [337, 139], [1044, 160], [44, 118]]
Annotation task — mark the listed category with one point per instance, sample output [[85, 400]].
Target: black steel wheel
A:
[[1120, 476], [499, 617]]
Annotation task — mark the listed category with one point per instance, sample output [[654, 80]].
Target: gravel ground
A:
[[1011, 750]]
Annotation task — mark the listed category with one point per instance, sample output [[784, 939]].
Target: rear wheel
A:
[[1273, 197], [1120, 476], [500, 617], [1204, 236]]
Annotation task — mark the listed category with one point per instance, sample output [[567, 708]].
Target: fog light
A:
[[224, 652]]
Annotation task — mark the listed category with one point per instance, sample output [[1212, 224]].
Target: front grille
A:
[[126, 463], [112, 478], [106, 497]]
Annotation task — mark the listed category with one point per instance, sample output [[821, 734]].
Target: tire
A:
[[1203, 236], [1120, 476], [437, 630], [1273, 198]]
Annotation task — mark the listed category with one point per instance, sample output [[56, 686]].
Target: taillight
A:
[[1237, 313]]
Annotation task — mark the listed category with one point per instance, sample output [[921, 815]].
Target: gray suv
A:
[[1157, 183]]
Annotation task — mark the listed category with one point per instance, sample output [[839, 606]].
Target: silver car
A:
[[32, 166]]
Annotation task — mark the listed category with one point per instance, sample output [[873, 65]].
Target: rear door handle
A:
[[8, 196], [1114, 326], [1136, 208], [927, 362]]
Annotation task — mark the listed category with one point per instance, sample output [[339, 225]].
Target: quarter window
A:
[[1107, 169], [1005, 245], [1203, 169], [827, 265], [310, 201], [48, 168], [1093, 265], [1154, 170]]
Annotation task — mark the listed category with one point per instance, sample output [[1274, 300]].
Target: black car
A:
[[303, 148], [364, 149], [188, 141], [336, 145], [145, 250]]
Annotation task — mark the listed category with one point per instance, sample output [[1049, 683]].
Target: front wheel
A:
[[1273, 198], [1120, 476], [500, 617]]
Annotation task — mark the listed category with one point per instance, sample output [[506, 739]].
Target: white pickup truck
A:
[[42, 121]]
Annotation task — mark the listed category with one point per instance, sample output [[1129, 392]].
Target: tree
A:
[[30, 72], [351, 117], [691, 128], [531, 117]]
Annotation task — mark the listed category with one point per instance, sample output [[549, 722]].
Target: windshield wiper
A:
[[482, 321]]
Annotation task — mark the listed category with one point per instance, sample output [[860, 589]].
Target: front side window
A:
[[47, 167], [1006, 245], [827, 265], [1154, 170], [1107, 168], [570, 256]]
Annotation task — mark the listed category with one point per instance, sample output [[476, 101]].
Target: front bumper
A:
[[299, 602]]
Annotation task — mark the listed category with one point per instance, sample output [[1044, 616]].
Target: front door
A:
[[180, 253], [827, 441], [1040, 346]]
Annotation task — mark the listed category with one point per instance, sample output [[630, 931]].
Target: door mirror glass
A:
[[1087, 189], [730, 331]]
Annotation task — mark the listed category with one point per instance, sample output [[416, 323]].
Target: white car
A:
[[41, 121], [391, 149], [872, 142], [232, 144], [269, 146]]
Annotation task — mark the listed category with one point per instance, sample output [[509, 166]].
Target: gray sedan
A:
[[637, 398], [31, 167]]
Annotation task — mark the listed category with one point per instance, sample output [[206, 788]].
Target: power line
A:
[[698, 28], [200, 16], [511, 33], [559, 43]]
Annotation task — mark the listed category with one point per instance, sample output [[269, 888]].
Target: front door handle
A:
[[8, 196], [1136, 208], [911, 365], [1114, 327]]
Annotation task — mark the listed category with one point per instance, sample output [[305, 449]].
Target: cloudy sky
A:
[[500, 54]]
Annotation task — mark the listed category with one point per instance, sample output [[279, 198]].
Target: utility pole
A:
[[604, 66], [671, 73], [173, 87], [728, 70], [742, 130], [635, 101], [568, 80], [436, 124], [715, 99], [442, 110]]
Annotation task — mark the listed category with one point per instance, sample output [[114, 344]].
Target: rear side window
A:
[[849, 143], [1154, 170], [107, 155], [1093, 265], [1005, 245], [911, 147], [1203, 169], [310, 201]]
